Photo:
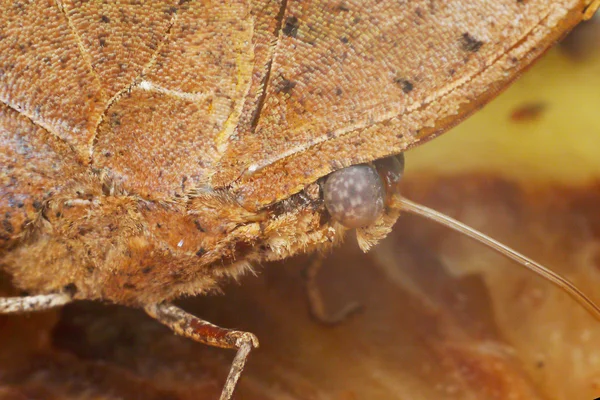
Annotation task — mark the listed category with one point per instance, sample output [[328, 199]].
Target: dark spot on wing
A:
[[469, 43], [342, 7], [405, 84], [285, 86], [291, 27]]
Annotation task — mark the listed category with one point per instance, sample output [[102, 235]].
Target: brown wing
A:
[[164, 136], [33, 165], [353, 81], [172, 97], [149, 94], [37, 136]]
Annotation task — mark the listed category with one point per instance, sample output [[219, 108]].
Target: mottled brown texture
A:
[[33, 166], [149, 151], [345, 61]]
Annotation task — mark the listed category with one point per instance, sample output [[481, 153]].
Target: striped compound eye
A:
[[354, 196]]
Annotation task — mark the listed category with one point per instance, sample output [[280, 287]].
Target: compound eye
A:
[[354, 196]]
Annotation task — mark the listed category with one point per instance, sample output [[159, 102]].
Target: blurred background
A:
[[442, 317]]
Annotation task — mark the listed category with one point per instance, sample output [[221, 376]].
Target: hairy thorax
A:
[[147, 251]]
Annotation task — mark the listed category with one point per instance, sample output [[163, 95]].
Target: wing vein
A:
[[267, 79]]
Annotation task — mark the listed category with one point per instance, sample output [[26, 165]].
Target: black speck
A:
[[70, 289], [147, 270], [344, 39], [129, 286], [291, 27], [200, 252], [342, 7], [338, 91], [285, 86], [405, 84], [105, 19], [7, 226], [199, 226], [469, 43]]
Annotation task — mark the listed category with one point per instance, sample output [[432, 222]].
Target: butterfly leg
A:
[[185, 324], [41, 302], [315, 299]]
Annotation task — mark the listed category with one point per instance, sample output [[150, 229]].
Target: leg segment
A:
[[316, 304], [185, 324], [40, 302]]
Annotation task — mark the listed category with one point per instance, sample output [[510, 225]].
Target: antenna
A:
[[506, 251]]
